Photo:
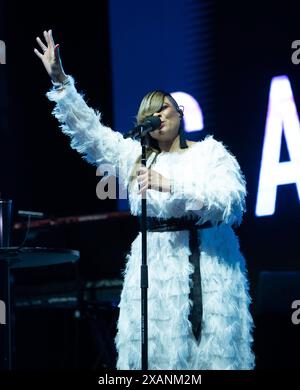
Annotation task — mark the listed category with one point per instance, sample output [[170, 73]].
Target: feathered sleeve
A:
[[98, 144], [211, 185]]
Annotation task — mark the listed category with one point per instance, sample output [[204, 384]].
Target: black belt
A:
[[177, 224]]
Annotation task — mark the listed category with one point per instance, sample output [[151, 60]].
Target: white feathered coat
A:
[[214, 190]]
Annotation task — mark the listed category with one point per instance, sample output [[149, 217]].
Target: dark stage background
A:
[[225, 54]]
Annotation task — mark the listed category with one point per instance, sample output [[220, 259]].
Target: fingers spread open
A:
[[43, 47], [40, 55], [47, 38], [51, 38]]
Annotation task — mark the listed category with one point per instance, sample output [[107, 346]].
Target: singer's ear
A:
[[181, 110]]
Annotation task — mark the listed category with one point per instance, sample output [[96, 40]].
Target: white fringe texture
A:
[[208, 185]]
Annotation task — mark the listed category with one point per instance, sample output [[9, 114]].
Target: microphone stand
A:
[[150, 124], [141, 132], [144, 270]]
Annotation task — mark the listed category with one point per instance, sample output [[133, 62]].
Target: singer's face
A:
[[170, 122]]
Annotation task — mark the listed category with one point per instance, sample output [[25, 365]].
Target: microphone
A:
[[150, 124]]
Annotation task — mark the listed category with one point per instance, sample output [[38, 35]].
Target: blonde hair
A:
[[150, 104]]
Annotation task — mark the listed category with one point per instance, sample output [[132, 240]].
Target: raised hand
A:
[[50, 57]]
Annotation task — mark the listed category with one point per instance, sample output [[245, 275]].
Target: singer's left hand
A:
[[150, 179]]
